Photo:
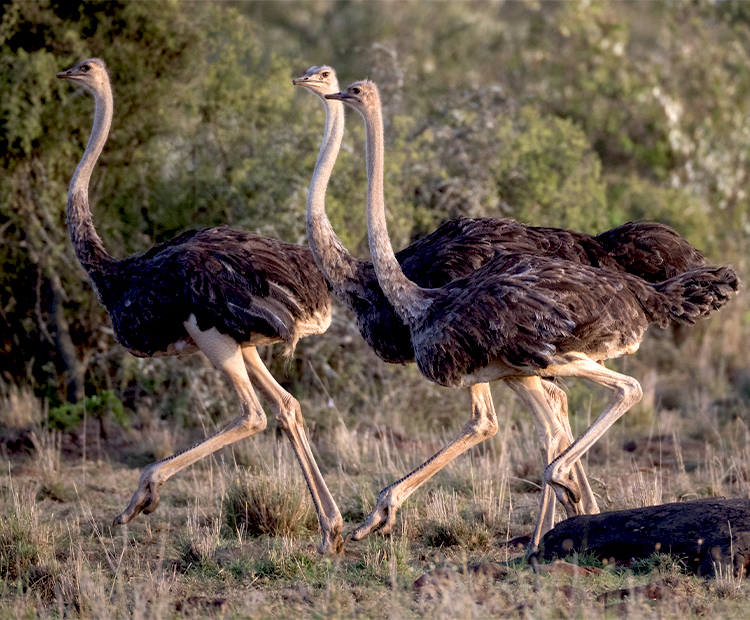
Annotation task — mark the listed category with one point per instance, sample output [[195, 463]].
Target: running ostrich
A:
[[651, 251], [519, 318], [218, 290]]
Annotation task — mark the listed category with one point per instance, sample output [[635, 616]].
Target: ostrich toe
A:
[[145, 500], [332, 543], [566, 489]]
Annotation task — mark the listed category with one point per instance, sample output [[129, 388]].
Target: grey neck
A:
[[332, 258], [409, 300], [87, 244]]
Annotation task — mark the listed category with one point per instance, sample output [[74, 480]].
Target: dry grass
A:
[[235, 535], [30, 549], [189, 556], [274, 502], [19, 408]]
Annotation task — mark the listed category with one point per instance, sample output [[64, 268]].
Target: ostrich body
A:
[[458, 247], [217, 290], [520, 318], [651, 251]]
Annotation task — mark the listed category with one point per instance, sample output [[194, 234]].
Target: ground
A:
[[235, 535]]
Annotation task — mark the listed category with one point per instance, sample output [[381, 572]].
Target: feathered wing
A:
[[654, 252], [263, 286], [523, 310], [651, 251], [456, 249], [238, 282], [503, 314]]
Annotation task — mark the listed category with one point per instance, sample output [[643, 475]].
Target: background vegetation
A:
[[575, 114]]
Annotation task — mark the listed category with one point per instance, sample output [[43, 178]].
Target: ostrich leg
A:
[[289, 417], [555, 436], [626, 392], [481, 426], [226, 355], [558, 400], [243, 368]]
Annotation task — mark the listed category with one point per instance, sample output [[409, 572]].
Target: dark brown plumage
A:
[[526, 310], [245, 285], [650, 251]]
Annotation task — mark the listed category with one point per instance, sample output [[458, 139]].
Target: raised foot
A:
[[145, 500], [566, 488]]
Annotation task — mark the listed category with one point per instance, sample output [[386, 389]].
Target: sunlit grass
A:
[[236, 534]]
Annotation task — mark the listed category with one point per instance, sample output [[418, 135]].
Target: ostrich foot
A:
[[381, 519], [145, 500], [332, 542], [566, 488]]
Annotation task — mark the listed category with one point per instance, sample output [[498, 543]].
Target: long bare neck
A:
[[86, 242], [407, 298], [333, 259]]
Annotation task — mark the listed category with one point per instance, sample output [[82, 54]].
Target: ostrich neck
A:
[[407, 298], [333, 259], [86, 242]]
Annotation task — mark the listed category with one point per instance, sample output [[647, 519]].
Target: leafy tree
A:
[[583, 115]]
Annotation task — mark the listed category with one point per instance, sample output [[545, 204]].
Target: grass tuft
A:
[[27, 546], [444, 525], [271, 503]]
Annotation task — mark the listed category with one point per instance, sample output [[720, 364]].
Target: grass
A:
[[235, 535], [273, 502]]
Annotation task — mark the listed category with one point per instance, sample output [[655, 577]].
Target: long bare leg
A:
[[550, 420], [626, 392], [289, 417], [226, 355], [481, 426], [558, 401]]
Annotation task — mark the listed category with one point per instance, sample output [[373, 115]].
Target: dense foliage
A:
[[583, 115]]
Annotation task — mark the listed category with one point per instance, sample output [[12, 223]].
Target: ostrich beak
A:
[[342, 96], [63, 74], [300, 80]]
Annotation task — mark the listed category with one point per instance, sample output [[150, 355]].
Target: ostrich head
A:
[[91, 72], [363, 96], [319, 80]]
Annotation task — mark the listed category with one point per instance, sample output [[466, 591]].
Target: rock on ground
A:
[[703, 533]]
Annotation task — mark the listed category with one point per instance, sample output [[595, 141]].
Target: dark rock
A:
[[703, 533]]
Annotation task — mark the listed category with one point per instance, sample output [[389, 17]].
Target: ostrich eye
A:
[[325, 74], [85, 68], [356, 90]]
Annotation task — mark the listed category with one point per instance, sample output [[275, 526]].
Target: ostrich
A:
[[519, 318], [651, 251], [218, 290], [455, 249]]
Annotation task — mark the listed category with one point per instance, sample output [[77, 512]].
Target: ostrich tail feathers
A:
[[695, 294]]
